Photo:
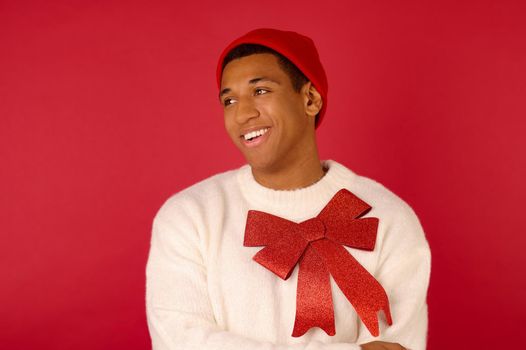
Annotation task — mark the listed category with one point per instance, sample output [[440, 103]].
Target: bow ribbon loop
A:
[[316, 245]]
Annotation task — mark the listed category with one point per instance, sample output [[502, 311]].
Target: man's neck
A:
[[294, 176]]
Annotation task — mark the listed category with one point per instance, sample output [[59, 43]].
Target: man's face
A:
[[257, 95]]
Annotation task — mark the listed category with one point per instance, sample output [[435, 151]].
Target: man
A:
[[210, 282]]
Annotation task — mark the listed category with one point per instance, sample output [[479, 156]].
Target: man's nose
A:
[[246, 109]]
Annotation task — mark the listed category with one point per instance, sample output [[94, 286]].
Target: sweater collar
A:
[[298, 204]]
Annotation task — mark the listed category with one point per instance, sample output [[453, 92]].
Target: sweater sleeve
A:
[[404, 271], [178, 309]]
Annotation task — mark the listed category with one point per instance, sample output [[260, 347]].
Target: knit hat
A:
[[299, 49]]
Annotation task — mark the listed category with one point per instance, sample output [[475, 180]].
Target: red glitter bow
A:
[[317, 244]]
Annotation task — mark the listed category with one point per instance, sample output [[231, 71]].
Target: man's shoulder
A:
[[381, 198], [392, 209], [200, 193]]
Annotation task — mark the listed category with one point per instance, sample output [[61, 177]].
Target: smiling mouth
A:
[[251, 139], [255, 138]]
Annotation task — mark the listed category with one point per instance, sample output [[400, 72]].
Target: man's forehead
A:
[[252, 81], [255, 65]]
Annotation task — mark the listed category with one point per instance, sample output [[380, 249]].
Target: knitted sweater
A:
[[204, 291]]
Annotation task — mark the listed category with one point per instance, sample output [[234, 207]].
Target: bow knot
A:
[[316, 245], [312, 230]]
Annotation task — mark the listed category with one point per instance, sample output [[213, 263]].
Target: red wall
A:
[[107, 108]]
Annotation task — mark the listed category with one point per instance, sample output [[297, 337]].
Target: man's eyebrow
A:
[[256, 80], [251, 82]]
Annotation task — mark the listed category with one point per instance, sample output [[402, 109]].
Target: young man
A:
[[222, 271]]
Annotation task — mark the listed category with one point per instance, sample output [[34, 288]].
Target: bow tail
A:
[[314, 306], [362, 290]]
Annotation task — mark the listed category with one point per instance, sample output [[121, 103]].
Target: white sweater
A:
[[204, 291]]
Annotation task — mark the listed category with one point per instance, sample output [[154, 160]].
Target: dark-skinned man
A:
[[287, 251]]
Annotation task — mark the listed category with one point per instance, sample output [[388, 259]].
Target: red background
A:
[[108, 108]]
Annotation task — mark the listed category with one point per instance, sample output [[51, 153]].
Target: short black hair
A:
[[297, 78]]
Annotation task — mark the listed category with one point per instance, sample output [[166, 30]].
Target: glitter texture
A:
[[316, 245]]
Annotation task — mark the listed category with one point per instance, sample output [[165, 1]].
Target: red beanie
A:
[[298, 48]]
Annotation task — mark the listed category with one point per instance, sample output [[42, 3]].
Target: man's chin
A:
[[261, 164]]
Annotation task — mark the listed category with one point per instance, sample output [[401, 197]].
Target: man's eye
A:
[[226, 102], [263, 90]]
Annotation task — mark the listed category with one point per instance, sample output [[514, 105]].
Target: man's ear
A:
[[312, 100]]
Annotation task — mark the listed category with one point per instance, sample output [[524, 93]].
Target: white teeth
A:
[[255, 133]]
